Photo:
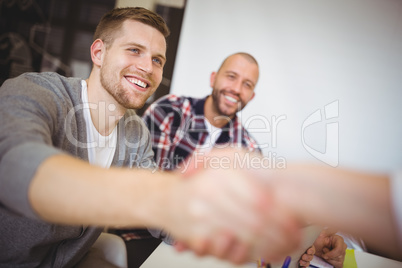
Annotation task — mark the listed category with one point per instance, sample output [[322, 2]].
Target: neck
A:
[[105, 111], [212, 114]]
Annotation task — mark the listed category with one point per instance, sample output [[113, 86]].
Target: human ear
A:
[[252, 96], [212, 79], [97, 49]]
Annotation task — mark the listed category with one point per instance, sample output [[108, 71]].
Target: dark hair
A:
[[112, 21]]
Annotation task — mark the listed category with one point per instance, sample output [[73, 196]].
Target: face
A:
[[132, 66], [233, 85]]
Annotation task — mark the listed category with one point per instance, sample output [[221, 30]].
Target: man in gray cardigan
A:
[[70, 149]]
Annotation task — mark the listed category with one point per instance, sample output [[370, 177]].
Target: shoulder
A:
[[47, 79], [45, 84], [170, 104], [177, 101], [173, 101]]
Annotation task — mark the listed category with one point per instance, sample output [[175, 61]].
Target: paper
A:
[[320, 263]]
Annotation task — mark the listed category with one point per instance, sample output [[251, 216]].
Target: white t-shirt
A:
[[213, 135], [101, 148]]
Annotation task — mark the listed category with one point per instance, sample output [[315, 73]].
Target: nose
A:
[[236, 86], [145, 64]]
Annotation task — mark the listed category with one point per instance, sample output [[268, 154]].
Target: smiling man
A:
[[180, 126], [233, 87], [128, 66], [50, 123]]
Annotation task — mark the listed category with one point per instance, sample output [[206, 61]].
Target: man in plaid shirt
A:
[[180, 126]]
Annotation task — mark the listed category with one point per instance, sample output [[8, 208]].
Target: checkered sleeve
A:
[[162, 119], [250, 143], [241, 134]]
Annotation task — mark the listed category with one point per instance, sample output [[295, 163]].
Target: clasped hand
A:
[[225, 212]]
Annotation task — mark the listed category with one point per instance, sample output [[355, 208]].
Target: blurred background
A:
[[330, 86], [330, 71], [56, 35]]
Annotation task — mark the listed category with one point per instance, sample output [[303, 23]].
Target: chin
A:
[[228, 114], [135, 103], [137, 107]]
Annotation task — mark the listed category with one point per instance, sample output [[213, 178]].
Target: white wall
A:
[[311, 53]]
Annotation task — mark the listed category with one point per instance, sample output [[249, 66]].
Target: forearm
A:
[[353, 202], [202, 211], [69, 191]]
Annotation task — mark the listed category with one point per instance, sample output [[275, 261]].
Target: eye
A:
[[157, 61], [248, 85], [134, 50]]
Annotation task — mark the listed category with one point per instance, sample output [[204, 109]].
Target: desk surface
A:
[[166, 256], [367, 260]]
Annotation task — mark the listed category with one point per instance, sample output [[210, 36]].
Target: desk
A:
[[166, 256], [367, 260]]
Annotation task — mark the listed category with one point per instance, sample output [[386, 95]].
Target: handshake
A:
[[243, 213], [227, 205]]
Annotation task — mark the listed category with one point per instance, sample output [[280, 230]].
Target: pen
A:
[[286, 262], [262, 264]]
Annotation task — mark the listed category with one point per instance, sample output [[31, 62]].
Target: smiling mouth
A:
[[138, 82], [231, 99]]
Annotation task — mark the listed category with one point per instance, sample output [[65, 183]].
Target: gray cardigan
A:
[[40, 116]]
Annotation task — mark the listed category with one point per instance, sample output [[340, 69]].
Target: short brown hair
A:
[[112, 21]]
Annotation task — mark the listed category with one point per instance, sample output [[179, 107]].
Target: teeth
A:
[[137, 82], [230, 99]]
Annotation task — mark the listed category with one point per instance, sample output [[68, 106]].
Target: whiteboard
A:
[[330, 86]]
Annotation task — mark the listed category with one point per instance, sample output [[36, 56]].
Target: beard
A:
[[126, 97], [220, 107]]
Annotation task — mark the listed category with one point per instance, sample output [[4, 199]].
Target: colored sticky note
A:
[[350, 260]]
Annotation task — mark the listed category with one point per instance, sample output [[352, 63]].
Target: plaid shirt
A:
[[177, 127]]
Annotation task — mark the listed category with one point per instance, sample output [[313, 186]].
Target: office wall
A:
[[330, 87]]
